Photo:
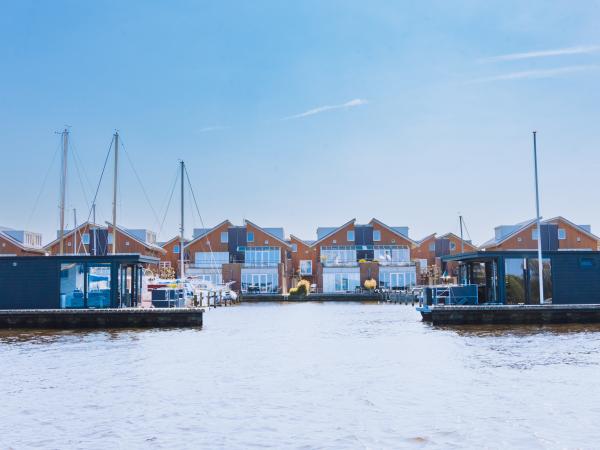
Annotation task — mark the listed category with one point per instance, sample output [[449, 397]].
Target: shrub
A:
[[370, 284], [302, 289]]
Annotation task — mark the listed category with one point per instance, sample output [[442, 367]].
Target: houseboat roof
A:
[[483, 255]]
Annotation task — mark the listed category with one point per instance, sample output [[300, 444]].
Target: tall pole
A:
[[63, 187], [181, 229], [114, 211], [538, 220], [462, 241]]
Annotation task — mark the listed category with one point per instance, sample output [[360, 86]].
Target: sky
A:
[[301, 114]]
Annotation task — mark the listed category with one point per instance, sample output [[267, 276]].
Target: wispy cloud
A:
[[582, 49], [211, 128], [542, 73], [320, 109]]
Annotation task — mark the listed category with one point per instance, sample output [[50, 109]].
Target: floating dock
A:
[[102, 318], [510, 314]]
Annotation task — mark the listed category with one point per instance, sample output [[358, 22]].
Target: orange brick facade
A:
[[576, 239], [7, 247]]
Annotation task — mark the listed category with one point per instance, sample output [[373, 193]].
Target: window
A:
[[210, 259], [176, 248], [72, 285], [294, 248], [98, 278], [250, 236], [562, 234], [452, 246], [126, 243], [224, 237], [164, 264], [85, 238], [110, 239], [262, 256], [432, 247], [338, 255], [350, 235], [376, 235], [306, 267], [534, 234]]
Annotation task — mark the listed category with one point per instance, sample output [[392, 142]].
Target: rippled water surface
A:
[[302, 376]]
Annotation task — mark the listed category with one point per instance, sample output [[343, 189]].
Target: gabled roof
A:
[[429, 236], [207, 231], [520, 227], [393, 230], [162, 244], [131, 236], [578, 227], [335, 230], [458, 237], [74, 230], [304, 241], [268, 231], [20, 244]]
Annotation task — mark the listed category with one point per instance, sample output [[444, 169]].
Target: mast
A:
[[63, 187], [114, 211], [462, 241], [181, 229], [538, 220]]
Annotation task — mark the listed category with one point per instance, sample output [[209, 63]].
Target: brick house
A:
[[86, 239], [557, 233], [172, 258], [432, 248], [344, 257], [255, 259], [20, 243]]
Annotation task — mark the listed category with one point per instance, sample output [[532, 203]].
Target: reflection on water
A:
[[302, 376]]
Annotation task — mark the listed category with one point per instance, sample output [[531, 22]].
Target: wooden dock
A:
[[102, 318], [346, 297], [511, 314]]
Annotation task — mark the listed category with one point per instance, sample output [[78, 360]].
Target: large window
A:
[[250, 236], [332, 256], [72, 285], [350, 235], [260, 283], [397, 280], [376, 235], [176, 248], [262, 256], [224, 237], [98, 285], [211, 259], [391, 254], [562, 234], [341, 281], [522, 280], [85, 238], [306, 267], [514, 269]]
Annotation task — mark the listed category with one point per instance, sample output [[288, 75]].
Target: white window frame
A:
[[294, 248], [85, 238], [350, 233], [452, 246], [562, 236], [224, 237], [376, 235], [303, 262], [176, 249], [248, 235], [534, 234]]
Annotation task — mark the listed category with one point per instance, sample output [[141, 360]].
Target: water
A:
[[302, 376]]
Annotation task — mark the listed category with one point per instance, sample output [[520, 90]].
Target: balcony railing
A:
[[255, 264]]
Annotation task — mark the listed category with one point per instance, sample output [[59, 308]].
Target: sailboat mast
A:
[[538, 220], [74, 231], [63, 187], [114, 211], [462, 241], [181, 229]]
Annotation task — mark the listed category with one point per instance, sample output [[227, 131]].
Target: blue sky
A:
[[308, 113]]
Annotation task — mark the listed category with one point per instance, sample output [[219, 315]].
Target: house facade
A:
[[343, 258], [256, 260], [557, 234], [20, 243]]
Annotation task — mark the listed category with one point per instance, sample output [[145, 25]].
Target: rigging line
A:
[[37, 199], [212, 256], [101, 176], [78, 169], [140, 182], [169, 203], [167, 197]]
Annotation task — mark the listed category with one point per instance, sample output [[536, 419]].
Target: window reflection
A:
[[72, 285], [99, 286]]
